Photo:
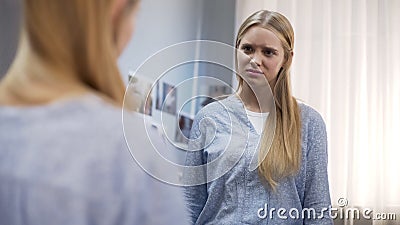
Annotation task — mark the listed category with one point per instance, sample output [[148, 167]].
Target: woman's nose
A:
[[255, 60]]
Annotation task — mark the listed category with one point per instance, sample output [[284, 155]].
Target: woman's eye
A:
[[247, 49], [268, 53]]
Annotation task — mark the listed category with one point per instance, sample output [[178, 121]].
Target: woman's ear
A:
[[289, 60], [116, 10]]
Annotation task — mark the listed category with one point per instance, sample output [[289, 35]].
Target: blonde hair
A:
[[77, 36], [284, 156]]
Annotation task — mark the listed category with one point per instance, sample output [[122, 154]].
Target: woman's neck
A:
[[256, 101], [30, 81]]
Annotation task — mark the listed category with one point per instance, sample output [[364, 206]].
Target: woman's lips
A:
[[254, 72]]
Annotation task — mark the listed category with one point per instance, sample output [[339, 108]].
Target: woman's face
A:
[[262, 59]]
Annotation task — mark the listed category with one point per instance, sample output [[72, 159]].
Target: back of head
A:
[[77, 36]]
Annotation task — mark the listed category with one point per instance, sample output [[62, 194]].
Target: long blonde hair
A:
[[77, 36], [284, 156]]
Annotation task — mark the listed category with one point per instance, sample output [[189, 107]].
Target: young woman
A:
[[289, 184], [63, 157]]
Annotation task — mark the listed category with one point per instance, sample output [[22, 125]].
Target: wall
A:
[[9, 30], [165, 23]]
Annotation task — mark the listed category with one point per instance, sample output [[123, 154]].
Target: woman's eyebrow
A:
[[245, 43], [271, 49], [268, 48]]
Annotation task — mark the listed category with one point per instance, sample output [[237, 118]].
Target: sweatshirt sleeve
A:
[[317, 187], [195, 190]]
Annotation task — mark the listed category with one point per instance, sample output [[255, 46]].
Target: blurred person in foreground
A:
[[63, 157]]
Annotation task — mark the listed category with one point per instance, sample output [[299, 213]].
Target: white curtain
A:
[[347, 66]]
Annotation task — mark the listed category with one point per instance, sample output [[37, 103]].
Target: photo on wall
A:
[[140, 88], [214, 93], [182, 132], [166, 98]]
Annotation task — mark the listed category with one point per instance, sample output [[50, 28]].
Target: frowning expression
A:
[[263, 56]]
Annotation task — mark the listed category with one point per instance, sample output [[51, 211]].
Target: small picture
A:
[[166, 98], [215, 92], [140, 89], [183, 129]]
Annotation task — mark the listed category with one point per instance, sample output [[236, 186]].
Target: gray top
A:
[[68, 163], [233, 193]]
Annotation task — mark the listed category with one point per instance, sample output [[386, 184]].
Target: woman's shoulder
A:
[[312, 121], [309, 115], [222, 104]]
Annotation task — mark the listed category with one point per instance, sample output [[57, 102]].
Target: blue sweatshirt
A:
[[227, 188], [68, 163]]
